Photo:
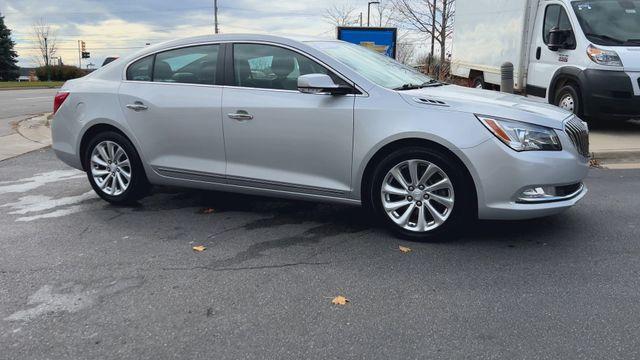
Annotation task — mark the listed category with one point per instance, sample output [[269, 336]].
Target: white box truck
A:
[[583, 56]]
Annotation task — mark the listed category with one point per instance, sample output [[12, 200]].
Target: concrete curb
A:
[[32, 134], [612, 156]]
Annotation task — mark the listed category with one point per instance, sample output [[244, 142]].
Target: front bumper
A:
[[501, 174], [611, 94]]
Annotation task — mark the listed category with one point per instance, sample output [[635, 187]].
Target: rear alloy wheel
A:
[[114, 169], [421, 194]]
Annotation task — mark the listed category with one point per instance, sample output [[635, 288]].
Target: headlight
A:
[[521, 136], [603, 57]]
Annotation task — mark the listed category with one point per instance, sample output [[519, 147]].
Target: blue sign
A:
[[382, 40]]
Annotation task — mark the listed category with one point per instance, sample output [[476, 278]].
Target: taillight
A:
[[61, 96]]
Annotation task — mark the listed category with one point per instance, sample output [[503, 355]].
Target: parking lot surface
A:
[[80, 278]]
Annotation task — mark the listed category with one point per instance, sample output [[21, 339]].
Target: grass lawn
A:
[[27, 84]]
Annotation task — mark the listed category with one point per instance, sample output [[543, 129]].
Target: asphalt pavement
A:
[[16, 105], [82, 279]]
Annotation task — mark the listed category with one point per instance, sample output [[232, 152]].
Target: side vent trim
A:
[[426, 101]]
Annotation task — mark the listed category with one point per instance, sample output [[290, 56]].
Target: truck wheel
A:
[[478, 82], [420, 194], [567, 98]]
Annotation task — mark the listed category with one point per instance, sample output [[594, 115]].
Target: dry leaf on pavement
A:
[[199, 248], [405, 249], [340, 300]]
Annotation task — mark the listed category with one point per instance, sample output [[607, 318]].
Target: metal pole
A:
[[369, 11], [79, 56], [215, 15], [46, 58], [360, 18]]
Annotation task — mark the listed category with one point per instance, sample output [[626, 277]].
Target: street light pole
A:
[[215, 15], [46, 58], [369, 11]]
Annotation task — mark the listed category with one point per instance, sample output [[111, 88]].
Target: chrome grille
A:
[[579, 134]]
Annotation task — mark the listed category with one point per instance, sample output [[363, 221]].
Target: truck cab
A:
[[581, 55], [585, 57]]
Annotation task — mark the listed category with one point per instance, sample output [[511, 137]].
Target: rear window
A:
[[141, 69]]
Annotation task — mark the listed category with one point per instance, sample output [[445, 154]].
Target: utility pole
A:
[[360, 18], [433, 34], [79, 56], [215, 15]]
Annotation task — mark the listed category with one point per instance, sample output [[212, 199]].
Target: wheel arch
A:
[[97, 128], [366, 177], [563, 76]]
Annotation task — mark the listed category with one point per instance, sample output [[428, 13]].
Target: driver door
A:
[[279, 138], [544, 63]]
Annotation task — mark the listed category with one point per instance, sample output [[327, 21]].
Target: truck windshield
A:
[[610, 22], [375, 67]]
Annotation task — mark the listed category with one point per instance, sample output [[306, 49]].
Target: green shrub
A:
[[60, 73]]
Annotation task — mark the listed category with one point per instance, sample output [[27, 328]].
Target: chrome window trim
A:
[[337, 73]]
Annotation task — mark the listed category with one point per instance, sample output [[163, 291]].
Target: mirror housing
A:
[[320, 84], [559, 39]]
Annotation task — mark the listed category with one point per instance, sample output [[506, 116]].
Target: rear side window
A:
[[141, 69], [192, 65]]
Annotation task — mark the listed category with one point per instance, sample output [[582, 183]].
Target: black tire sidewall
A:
[[139, 185], [463, 196], [479, 80], [571, 90]]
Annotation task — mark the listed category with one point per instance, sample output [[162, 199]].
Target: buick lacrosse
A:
[[319, 120]]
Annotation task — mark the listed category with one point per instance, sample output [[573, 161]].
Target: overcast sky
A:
[[116, 27]]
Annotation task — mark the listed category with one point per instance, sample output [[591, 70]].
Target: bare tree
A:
[[405, 52], [431, 17], [340, 15], [45, 42]]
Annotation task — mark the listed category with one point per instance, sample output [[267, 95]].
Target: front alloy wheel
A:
[[417, 195], [421, 193]]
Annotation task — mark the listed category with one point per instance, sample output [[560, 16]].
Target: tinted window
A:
[[555, 17], [272, 67], [192, 65], [141, 69]]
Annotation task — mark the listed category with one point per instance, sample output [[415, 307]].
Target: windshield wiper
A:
[[632, 42], [606, 38], [429, 83]]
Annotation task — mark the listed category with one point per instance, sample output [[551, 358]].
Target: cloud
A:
[[119, 27]]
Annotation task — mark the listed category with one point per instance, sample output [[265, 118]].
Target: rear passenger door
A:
[[171, 101]]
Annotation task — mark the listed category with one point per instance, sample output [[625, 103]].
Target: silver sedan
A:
[[319, 120]]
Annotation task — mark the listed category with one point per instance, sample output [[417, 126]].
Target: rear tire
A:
[[427, 215], [114, 169], [478, 82]]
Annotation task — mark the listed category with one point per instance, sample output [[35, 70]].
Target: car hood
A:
[[486, 102]]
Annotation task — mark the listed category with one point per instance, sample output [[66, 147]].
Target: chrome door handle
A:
[[240, 115], [137, 106]]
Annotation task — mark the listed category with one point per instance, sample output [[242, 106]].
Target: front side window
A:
[[272, 67], [141, 69], [192, 65], [609, 22], [556, 17], [371, 65]]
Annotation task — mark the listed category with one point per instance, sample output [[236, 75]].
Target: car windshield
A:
[[610, 22], [375, 67]]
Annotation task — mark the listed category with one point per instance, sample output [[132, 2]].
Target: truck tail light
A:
[[61, 96]]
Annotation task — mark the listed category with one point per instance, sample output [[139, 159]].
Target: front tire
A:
[[568, 98], [421, 194], [114, 169]]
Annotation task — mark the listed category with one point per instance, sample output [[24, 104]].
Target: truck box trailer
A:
[[581, 55]]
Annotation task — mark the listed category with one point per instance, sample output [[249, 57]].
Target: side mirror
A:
[[320, 84], [559, 39]]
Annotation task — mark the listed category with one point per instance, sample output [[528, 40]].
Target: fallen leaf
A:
[[340, 300], [208, 211], [405, 249], [199, 248]]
